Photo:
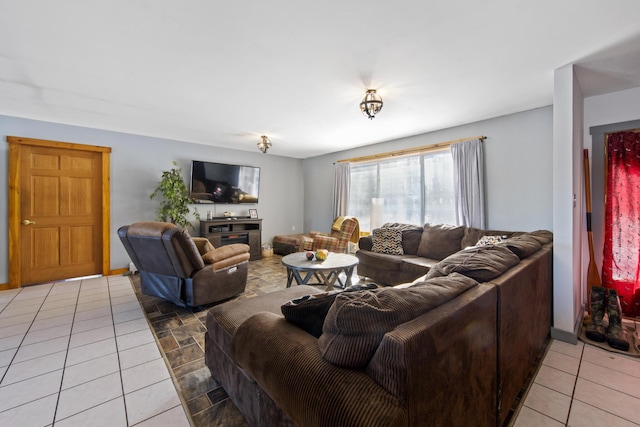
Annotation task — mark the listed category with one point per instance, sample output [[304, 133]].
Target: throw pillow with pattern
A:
[[388, 240], [490, 240]]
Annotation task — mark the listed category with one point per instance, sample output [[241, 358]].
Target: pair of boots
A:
[[602, 300]]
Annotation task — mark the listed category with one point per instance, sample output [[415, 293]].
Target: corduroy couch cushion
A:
[[523, 245], [309, 311], [356, 322], [438, 241], [542, 236], [480, 263]]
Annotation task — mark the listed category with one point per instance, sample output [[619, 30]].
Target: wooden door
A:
[[58, 211]]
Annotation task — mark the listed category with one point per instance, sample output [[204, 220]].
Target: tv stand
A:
[[225, 231]]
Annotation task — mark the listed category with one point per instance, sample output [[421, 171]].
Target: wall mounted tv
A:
[[223, 183]]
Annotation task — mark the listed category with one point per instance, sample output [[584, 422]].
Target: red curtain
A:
[[621, 266]]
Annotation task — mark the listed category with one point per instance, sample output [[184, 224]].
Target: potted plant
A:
[[174, 206]]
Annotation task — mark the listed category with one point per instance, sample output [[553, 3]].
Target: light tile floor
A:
[[582, 385], [81, 353]]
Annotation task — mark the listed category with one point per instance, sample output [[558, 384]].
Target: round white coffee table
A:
[[327, 272]]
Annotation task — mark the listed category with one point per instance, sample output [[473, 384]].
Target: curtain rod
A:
[[414, 150]]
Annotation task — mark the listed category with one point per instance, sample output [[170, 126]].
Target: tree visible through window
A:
[[416, 189]]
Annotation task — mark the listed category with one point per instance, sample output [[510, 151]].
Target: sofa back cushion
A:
[[482, 263], [438, 241], [542, 236], [357, 322], [523, 245], [473, 235]]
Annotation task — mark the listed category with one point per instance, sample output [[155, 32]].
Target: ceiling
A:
[[224, 73]]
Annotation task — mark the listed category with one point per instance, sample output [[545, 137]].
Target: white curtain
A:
[[468, 180], [341, 185]]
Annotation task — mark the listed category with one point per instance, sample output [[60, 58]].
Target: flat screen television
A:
[[224, 183]]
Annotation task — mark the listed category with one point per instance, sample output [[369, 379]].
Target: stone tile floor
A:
[[180, 332]]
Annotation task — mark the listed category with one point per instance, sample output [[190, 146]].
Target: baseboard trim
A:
[[561, 335], [118, 271], [566, 336], [4, 286]]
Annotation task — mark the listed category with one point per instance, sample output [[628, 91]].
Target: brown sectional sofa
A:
[[417, 259], [460, 357]]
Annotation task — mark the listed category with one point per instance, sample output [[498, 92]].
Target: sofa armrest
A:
[[203, 244], [365, 243], [323, 241], [286, 362], [452, 348], [227, 255]]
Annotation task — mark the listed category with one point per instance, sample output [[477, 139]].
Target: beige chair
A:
[[344, 229]]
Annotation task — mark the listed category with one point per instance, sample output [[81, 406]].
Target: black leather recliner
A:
[[173, 267]]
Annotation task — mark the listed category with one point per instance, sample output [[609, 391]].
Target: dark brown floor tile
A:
[[180, 356], [167, 323], [196, 383], [163, 334], [186, 342], [194, 365], [199, 404], [188, 318], [200, 340], [217, 395], [223, 414], [168, 343], [187, 331]]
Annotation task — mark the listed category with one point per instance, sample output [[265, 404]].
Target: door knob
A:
[[28, 222]]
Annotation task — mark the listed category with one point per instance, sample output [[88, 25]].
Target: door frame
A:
[[15, 143], [598, 174]]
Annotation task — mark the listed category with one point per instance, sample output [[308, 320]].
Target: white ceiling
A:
[[224, 73]]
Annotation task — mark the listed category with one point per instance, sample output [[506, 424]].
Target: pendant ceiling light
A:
[[265, 144], [371, 104]]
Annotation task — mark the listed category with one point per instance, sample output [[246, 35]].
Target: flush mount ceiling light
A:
[[265, 144], [371, 104]]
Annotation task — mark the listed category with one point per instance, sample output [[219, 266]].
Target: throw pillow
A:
[[440, 240], [308, 312], [490, 240], [482, 264], [388, 240], [411, 235], [357, 322]]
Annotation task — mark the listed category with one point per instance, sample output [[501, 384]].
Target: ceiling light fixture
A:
[[371, 104], [265, 144]]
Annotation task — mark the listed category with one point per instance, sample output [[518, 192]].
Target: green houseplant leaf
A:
[[174, 206]]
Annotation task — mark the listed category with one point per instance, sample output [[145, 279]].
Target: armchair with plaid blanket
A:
[[345, 229]]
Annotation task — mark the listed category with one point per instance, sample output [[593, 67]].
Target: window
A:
[[416, 189]]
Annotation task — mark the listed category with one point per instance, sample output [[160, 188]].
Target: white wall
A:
[[518, 165], [136, 165], [610, 108], [568, 199]]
